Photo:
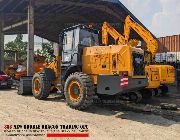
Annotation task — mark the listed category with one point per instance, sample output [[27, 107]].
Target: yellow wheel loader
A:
[[83, 69]]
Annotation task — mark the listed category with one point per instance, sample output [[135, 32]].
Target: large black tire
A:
[[9, 87], [146, 93], [80, 95], [16, 84], [164, 89], [135, 96], [42, 88], [19, 92], [156, 92]]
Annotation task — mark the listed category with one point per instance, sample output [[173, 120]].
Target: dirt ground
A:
[[103, 122]]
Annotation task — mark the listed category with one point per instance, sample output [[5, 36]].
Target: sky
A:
[[161, 17]]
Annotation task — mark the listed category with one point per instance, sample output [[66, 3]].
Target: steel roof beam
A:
[[15, 25]]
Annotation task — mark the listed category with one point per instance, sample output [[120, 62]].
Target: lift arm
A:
[[119, 39], [152, 45], [108, 29]]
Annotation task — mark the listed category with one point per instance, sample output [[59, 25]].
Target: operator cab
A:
[[74, 39]]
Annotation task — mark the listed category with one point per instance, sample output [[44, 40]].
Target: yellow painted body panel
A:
[[153, 76], [166, 74], [108, 60], [151, 71], [56, 67]]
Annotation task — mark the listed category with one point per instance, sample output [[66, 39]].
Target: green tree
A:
[[17, 46], [46, 49]]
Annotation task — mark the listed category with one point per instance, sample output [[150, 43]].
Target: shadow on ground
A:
[[6, 89], [121, 112], [51, 98], [128, 114]]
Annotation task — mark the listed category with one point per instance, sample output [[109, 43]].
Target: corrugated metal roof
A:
[[52, 16]]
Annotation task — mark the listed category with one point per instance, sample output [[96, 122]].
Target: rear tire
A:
[[156, 91], [146, 93], [40, 86], [135, 97], [164, 89], [79, 91]]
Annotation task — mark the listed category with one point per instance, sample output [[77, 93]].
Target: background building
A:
[[169, 52], [169, 44]]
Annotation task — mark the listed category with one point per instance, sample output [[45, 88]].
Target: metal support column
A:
[[1, 42], [56, 49], [30, 52]]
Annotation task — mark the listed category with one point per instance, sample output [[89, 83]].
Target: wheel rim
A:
[[74, 91], [36, 86]]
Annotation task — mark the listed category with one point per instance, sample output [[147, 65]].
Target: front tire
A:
[[79, 91], [40, 86]]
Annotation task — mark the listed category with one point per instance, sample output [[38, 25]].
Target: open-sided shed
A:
[[47, 18]]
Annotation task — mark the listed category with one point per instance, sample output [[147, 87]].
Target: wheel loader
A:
[[83, 69]]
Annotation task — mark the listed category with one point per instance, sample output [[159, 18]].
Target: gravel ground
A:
[[103, 122]]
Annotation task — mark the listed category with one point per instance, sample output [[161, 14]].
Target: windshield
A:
[[88, 38], [82, 36]]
